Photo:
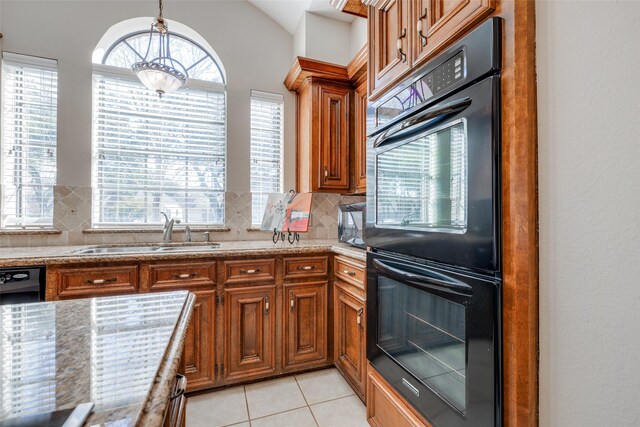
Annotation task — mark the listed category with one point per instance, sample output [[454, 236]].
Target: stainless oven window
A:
[[425, 334], [423, 183]]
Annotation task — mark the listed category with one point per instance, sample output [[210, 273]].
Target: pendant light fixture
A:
[[160, 73]]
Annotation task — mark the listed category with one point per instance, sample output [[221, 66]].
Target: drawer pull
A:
[[292, 301], [266, 306], [349, 273], [257, 270], [359, 317], [423, 38], [184, 276], [101, 281], [306, 267]]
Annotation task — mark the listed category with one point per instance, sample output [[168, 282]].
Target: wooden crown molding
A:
[[303, 68], [357, 68], [352, 7]]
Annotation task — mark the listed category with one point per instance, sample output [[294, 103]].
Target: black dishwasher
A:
[[19, 285]]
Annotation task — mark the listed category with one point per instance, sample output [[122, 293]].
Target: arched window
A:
[[155, 155]]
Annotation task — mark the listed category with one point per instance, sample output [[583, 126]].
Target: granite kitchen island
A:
[[121, 353]]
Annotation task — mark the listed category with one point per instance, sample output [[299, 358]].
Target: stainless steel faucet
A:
[[168, 227], [187, 233]]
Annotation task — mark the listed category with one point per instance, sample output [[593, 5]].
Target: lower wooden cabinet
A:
[[305, 324], [385, 408], [198, 357], [250, 341], [349, 335]]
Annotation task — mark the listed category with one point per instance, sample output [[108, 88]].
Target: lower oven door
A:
[[434, 335]]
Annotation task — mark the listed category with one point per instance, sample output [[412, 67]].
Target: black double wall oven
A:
[[433, 225]]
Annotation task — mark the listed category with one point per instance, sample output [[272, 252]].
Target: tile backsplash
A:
[[72, 222]]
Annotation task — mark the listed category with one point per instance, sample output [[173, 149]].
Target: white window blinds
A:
[[28, 145], [153, 155], [267, 111]]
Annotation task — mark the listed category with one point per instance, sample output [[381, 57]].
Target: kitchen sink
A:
[[147, 249]]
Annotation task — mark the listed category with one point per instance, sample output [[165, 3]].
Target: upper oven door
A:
[[434, 181]]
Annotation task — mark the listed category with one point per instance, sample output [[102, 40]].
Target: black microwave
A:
[[351, 224]]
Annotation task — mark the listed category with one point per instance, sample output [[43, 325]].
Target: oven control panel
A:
[[422, 90]]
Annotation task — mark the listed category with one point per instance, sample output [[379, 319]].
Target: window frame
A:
[[273, 98], [124, 73], [33, 62]]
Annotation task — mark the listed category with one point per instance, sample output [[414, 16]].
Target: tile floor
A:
[[315, 399]]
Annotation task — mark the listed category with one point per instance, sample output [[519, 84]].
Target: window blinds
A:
[[267, 111], [28, 147], [153, 155]]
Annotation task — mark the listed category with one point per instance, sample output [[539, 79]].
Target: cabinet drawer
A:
[[350, 271], [295, 268], [251, 270], [181, 274], [89, 281]]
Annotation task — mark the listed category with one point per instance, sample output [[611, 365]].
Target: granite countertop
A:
[[43, 255], [121, 353]]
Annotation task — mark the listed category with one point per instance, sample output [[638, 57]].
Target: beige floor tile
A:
[[345, 412], [220, 408], [297, 418], [320, 386], [274, 396]]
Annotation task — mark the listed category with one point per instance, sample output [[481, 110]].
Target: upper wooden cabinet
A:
[[407, 33], [330, 123], [389, 42], [360, 139], [324, 136]]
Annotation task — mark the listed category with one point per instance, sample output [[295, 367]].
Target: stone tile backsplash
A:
[[72, 218]]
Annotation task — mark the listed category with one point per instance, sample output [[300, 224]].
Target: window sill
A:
[[157, 230], [29, 232]]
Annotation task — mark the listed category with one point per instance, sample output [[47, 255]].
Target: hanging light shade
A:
[[160, 73]]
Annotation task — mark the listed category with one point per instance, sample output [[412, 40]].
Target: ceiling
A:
[[287, 13]]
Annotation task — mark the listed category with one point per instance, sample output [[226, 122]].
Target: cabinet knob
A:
[[359, 317], [266, 306], [326, 173]]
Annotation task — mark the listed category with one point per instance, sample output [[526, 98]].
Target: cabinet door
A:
[[249, 332], [389, 43], [437, 23], [198, 358], [360, 138], [349, 333], [333, 137], [305, 324]]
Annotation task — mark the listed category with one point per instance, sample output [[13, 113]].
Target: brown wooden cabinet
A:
[[250, 326], [324, 108], [407, 33], [198, 356], [305, 324], [360, 138], [389, 42], [327, 123], [349, 335], [385, 408], [91, 281]]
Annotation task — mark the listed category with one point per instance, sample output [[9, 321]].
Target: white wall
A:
[[255, 51], [358, 36], [588, 56], [323, 39]]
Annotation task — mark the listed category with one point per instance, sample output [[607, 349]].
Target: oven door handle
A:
[[422, 277], [424, 119]]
